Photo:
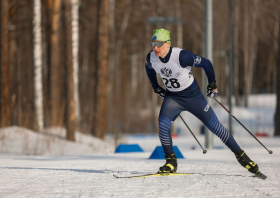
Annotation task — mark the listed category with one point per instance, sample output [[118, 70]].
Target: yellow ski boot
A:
[[171, 164]]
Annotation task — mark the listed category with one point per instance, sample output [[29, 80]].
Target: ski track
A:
[[92, 176]]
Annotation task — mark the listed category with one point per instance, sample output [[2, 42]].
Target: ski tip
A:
[[261, 176]]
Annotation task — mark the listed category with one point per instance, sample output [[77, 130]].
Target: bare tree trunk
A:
[[121, 38], [75, 38], [55, 67], [134, 70], [103, 49], [13, 70], [88, 17], [118, 57], [112, 39], [70, 106], [4, 73], [246, 48], [46, 58], [272, 61], [179, 24], [111, 67], [277, 113], [38, 81], [250, 46], [124, 93], [236, 54]]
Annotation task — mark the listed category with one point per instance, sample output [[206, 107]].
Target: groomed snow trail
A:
[[92, 176]]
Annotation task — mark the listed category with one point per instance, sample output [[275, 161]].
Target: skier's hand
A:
[[212, 90], [160, 91]]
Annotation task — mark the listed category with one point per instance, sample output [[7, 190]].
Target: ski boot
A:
[[247, 163], [171, 164]]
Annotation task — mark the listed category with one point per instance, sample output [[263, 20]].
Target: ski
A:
[[258, 175], [156, 175]]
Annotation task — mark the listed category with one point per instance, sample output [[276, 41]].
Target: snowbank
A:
[[21, 141]]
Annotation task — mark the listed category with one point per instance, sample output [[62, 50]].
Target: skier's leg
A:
[[205, 113], [168, 113]]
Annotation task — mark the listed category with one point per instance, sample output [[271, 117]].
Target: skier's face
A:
[[161, 51]]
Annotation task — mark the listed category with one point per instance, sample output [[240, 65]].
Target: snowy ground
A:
[[84, 171]]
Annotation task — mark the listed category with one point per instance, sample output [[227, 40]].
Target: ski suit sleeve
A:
[[151, 73], [187, 58]]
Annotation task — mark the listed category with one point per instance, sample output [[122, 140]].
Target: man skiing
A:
[[183, 94]]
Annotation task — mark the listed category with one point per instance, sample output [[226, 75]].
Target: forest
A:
[[79, 64]]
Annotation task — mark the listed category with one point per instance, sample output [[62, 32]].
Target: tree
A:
[[179, 24], [236, 53], [70, 103], [55, 65], [119, 65], [277, 113], [111, 64], [38, 83], [75, 40], [102, 56], [250, 38], [4, 73]]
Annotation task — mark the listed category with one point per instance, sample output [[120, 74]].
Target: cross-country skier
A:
[[182, 93]]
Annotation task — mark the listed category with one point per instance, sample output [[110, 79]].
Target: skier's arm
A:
[[151, 73], [187, 58]]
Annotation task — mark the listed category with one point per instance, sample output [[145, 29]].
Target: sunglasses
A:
[[158, 43]]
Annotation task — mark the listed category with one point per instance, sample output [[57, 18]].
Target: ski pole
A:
[[269, 151], [204, 151]]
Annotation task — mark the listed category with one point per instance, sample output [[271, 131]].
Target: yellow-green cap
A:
[[161, 35]]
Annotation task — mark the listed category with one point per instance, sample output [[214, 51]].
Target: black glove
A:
[[160, 91], [212, 90]]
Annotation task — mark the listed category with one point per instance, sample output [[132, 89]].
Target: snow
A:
[[21, 141], [46, 165], [68, 169]]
